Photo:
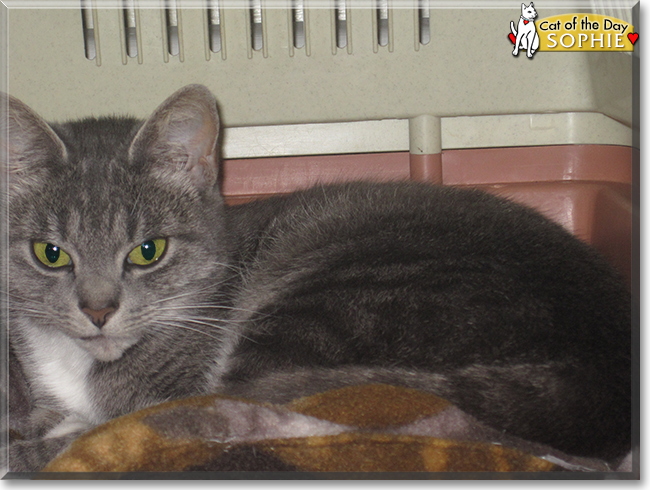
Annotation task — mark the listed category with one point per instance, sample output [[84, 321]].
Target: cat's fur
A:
[[455, 291]]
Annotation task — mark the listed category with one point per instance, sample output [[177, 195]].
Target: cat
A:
[[132, 283], [526, 32]]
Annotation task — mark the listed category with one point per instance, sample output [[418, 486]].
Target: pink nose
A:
[[99, 317]]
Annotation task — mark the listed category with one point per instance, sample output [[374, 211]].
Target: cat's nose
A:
[[99, 317]]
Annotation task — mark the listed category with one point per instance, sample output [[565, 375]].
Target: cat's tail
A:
[[578, 410], [557, 404], [512, 28]]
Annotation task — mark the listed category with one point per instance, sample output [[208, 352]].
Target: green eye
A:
[[148, 252], [51, 255]]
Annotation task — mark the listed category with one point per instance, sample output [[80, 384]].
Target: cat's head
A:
[[115, 224], [528, 11]]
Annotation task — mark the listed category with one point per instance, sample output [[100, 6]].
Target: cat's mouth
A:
[[105, 348]]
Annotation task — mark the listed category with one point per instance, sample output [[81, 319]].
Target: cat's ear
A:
[[180, 137], [26, 143]]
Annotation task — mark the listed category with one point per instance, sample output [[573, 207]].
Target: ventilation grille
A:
[[256, 32]]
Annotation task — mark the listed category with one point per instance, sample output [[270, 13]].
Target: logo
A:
[[525, 35], [570, 32]]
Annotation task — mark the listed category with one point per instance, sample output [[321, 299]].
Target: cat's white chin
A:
[[105, 348]]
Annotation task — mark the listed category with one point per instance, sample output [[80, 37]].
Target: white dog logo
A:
[[525, 36]]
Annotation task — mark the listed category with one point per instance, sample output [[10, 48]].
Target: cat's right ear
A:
[[26, 143], [179, 140]]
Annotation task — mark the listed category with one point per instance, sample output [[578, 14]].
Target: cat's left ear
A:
[[27, 144], [180, 137]]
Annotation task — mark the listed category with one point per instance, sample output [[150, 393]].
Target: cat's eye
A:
[[148, 252], [51, 255]]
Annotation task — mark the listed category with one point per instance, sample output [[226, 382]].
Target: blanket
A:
[[366, 428]]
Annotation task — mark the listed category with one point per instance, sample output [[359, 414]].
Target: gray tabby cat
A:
[[131, 283]]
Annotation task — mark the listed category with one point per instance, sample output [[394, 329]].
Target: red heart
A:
[[633, 37], [525, 22], [512, 38]]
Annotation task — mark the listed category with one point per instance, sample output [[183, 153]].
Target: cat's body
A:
[[457, 292]]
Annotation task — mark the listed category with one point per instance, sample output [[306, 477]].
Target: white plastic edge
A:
[[391, 135], [316, 139], [569, 128]]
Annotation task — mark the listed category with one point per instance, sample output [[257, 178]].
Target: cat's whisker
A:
[[38, 316], [193, 292], [189, 307], [219, 327], [218, 307], [51, 317], [34, 306], [44, 312], [23, 298], [211, 325], [218, 320], [32, 310], [222, 326], [184, 327], [36, 309], [217, 324], [183, 295], [221, 321], [227, 266]]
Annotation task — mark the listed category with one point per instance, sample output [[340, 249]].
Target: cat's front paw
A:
[[33, 455]]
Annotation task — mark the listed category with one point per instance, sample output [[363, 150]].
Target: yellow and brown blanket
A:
[[367, 428]]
